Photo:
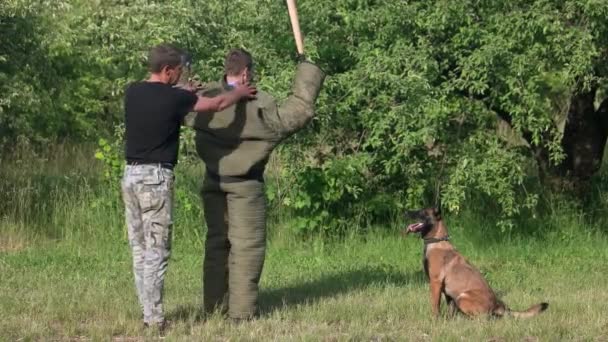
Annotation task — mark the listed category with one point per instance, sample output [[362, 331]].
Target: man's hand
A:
[[225, 100], [246, 91]]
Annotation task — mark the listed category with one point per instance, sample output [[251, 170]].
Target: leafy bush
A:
[[418, 98], [421, 91]]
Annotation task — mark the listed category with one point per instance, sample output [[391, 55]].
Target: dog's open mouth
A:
[[415, 227]]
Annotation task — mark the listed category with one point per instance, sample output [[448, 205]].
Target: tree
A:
[[420, 87], [540, 67], [418, 94]]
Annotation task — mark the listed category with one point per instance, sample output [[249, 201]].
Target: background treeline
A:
[[496, 103]]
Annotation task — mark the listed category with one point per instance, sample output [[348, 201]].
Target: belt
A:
[[257, 175], [167, 166]]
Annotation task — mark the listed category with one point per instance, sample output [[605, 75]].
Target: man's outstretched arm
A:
[[225, 100]]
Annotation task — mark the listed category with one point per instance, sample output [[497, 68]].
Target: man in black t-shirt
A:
[[154, 112]]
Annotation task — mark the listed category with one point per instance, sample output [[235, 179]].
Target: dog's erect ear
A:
[[437, 212]]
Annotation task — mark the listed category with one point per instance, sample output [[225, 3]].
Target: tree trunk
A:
[[584, 138], [583, 143]]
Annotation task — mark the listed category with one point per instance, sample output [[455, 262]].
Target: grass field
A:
[[65, 272]]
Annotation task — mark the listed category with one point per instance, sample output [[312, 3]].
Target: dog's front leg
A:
[[436, 296]]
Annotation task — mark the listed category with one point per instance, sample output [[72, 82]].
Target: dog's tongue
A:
[[413, 228]]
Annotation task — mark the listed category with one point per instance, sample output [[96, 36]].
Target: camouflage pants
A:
[[235, 246], [148, 195]]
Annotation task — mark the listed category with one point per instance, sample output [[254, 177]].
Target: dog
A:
[[465, 289]]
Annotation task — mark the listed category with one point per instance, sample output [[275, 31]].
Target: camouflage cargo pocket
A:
[[152, 176], [151, 199]]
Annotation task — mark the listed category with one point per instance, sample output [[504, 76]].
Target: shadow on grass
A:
[[187, 313], [333, 285], [312, 291]]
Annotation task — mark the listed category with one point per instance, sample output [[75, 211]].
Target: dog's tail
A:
[[531, 312]]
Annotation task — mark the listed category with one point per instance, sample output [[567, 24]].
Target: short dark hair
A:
[[164, 55], [236, 61]]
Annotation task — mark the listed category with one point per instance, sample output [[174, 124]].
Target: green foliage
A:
[[111, 154], [413, 103], [409, 107], [328, 195]]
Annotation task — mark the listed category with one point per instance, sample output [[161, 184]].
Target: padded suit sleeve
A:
[[298, 109]]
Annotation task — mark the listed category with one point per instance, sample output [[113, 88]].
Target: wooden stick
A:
[[295, 25]]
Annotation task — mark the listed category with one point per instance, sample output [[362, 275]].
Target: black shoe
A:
[[160, 326]]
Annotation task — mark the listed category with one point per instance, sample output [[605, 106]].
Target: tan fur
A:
[[464, 287]]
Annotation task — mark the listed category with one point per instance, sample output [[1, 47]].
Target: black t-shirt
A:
[[153, 115]]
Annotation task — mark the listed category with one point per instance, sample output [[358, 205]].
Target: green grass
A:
[[364, 289], [65, 271]]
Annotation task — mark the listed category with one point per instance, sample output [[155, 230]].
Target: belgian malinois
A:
[[464, 287]]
